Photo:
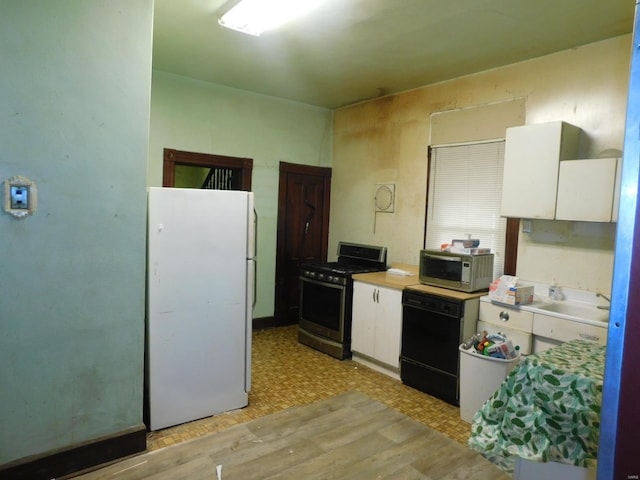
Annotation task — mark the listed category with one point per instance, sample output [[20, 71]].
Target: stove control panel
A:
[[324, 277]]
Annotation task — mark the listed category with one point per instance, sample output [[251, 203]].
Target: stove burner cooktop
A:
[[338, 268], [352, 259]]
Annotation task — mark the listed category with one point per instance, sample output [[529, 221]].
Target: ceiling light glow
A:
[[256, 16]]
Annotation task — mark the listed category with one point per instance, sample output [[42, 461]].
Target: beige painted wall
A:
[[385, 141]]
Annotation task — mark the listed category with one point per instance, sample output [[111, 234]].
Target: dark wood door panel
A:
[[303, 224]]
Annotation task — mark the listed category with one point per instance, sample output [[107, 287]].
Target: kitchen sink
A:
[[574, 310]]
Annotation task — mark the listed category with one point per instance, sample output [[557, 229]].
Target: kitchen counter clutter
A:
[[547, 410]]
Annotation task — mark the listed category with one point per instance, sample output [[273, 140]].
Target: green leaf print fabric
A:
[[547, 409]]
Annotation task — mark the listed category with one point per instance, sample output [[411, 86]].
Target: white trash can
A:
[[480, 377]]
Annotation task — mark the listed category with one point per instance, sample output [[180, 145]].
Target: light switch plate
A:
[[20, 196]]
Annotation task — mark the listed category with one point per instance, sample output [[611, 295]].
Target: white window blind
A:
[[465, 189]]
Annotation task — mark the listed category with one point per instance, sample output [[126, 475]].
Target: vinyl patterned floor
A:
[[286, 373]]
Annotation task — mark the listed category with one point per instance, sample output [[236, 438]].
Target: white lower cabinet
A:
[[516, 324], [550, 331], [377, 323]]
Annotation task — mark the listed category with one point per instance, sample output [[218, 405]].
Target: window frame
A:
[[511, 230]]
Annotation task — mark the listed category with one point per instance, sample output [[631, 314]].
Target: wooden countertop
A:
[[412, 282], [446, 292], [392, 280]]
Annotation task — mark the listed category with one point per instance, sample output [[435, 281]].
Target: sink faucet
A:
[[603, 307]]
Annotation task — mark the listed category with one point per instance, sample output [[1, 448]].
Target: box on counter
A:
[[506, 290], [465, 243]]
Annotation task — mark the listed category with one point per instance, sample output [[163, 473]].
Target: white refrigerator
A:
[[200, 291]]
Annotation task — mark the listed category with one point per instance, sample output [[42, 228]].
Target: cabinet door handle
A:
[[373, 295], [377, 296], [504, 316]]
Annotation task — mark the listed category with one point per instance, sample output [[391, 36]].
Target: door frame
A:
[[172, 157]]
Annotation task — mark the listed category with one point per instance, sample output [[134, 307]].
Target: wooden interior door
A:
[[303, 232]]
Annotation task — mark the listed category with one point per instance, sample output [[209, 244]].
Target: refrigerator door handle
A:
[[251, 283], [255, 283], [255, 257], [255, 233]]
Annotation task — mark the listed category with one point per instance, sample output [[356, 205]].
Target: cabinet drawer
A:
[[518, 337], [565, 330], [505, 317]]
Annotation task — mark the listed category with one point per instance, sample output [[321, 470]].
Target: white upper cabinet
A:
[[588, 190], [531, 167]]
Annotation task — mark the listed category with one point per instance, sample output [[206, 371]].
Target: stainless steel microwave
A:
[[457, 271]]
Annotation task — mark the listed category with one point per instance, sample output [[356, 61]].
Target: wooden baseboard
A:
[[263, 323], [269, 322], [80, 457]]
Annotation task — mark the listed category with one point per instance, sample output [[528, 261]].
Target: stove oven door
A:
[[322, 308]]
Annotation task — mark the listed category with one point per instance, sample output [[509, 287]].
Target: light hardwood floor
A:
[[287, 374], [349, 436]]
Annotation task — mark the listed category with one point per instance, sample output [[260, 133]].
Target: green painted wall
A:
[[74, 109], [195, 116]]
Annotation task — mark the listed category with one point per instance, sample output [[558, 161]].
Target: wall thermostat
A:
[[20, 196]]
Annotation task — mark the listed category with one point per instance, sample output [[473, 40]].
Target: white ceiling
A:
[[348, 51]]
